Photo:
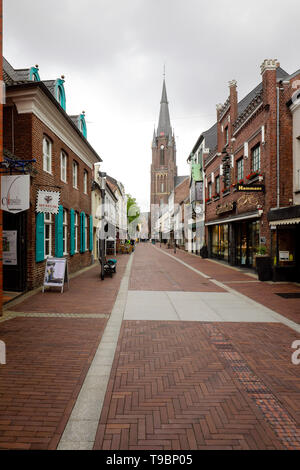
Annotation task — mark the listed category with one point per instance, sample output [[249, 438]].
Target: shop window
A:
[[256, 158], [220, 241], [47, 154]]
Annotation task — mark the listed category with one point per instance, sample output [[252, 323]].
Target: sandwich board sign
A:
[[56, 273]]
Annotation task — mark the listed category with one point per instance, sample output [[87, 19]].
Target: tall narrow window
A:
[[85, 181], [217, 184], [209, 190], [226, 135], [86, 232], [162, 155], [65, 232], [256, 158], [76, 231], [47, 155], [240, 169], [63, 166], [75, 175], [48, 234]]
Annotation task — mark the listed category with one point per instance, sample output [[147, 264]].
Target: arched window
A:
[[34, 74], [60, 92], [162, 155], [83, 125]]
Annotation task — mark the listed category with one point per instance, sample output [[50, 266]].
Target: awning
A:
[[286, 221], [236, 218]]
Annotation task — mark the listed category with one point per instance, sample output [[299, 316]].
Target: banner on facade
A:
[[47, 201], [10, 247], [56, 273], [15, 193]]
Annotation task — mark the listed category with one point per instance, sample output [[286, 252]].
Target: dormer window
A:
[[59, 92], [34, 74], [83, 124]]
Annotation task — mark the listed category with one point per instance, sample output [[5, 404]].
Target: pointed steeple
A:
[[164, 124], [154, 139]]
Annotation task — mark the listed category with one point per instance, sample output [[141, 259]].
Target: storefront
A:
[[285, 248], [235, 239]]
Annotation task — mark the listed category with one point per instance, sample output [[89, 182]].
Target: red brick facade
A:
[[1, 156], [256, 129]]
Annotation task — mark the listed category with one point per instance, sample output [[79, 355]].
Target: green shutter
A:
[[39, 241], [59, 246], [82, 232], [72, 232], [91, 233]]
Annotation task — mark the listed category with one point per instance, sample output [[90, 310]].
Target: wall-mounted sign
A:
[[48, 201], [229, 206], [10, 247], [245, 187], [56, 273], [15, 193], [199, 191]]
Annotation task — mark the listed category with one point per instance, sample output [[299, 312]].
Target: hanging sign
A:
[[10, 247], [15, 193], [48, 201], [56, 273]]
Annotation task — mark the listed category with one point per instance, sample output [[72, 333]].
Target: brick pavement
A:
[[172, 388], [47, 361], [262, 292]]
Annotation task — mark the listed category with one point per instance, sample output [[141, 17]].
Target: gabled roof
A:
[[179, 180]]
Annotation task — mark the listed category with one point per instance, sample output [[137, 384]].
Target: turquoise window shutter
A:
[[91, 233], [40, 235], [82, 232], [59, 218], [72, 232]]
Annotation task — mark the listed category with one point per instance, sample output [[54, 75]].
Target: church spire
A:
[[164, 124]]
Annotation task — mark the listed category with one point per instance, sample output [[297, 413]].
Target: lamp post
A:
[[101, 241]]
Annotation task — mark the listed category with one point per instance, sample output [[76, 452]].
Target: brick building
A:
[[1, 154], [36, 126], [250, 170]]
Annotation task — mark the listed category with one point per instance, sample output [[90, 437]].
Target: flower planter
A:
[[263, 267]]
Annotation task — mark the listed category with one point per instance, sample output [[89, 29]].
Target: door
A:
[[14, 251]]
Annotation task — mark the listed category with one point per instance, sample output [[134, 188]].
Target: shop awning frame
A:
[[293, 221], [236, 218]]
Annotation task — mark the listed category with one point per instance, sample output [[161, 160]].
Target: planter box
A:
[[264, 267]]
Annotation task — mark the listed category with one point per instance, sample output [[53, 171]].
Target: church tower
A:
[[163, 168]]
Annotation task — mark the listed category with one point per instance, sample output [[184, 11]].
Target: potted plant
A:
[[263, 264]]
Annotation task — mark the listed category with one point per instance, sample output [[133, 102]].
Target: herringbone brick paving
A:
[[172, 388], [47, 361]]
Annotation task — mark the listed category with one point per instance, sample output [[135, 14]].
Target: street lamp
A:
[[101, 241]]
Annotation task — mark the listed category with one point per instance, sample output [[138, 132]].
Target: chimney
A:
[[233, 97], [268, 71]]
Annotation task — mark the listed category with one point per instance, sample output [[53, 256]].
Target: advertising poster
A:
[[10, 247], [55, 273]]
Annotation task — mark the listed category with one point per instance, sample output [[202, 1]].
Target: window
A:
[[63, 166], [75, 175], [76, 231], [65, 232], [47, 154], [256, 158], [162, 188], [226, 135], [240, 169], [209, 190], [162, 155], [85, 232], [85, 181], [218, 185], [48, 234]]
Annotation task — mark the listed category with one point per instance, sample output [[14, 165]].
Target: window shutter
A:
[[82, 232], [59, 218], [72, 232], [91, 233], [40, 234]]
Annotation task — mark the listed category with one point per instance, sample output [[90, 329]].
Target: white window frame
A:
[[85, 181], [63, 166], [65, 232], [86, 232], [75, 174], [47, 155], [76, 231], [48, 222]]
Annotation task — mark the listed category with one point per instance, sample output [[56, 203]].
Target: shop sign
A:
[[253, 189], [48, 201], [56, 273], [15, 193], [284, 255], [229, 206]]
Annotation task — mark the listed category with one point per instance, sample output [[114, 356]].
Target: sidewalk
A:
[[49, 356], [262, 292]]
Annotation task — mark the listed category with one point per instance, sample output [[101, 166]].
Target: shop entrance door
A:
[[14, 251], [247, 240]]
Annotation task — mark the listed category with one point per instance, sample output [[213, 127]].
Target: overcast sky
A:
[[112, 53]]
